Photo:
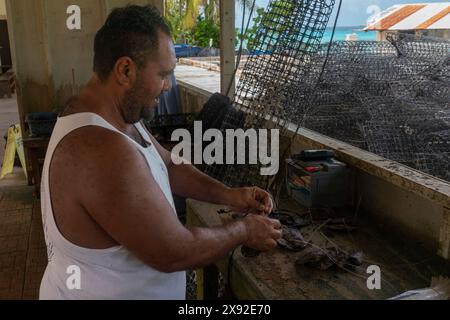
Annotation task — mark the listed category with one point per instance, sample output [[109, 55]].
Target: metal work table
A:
[[274, 275]]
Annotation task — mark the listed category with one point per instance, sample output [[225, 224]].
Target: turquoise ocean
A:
[[341, 33]]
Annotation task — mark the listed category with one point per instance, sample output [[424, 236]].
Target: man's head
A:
[[134, 53]]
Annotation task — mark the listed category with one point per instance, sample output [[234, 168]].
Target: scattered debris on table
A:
[[324, 259], [292, 239]]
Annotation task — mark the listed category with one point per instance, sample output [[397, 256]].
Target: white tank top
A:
[[114, 273]]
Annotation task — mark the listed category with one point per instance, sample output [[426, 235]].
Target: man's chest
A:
[[134, 134]]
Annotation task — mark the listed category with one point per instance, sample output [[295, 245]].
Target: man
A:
[[109, 218], [169, 102]]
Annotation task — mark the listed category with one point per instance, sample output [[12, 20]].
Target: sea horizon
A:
[[342, 32]]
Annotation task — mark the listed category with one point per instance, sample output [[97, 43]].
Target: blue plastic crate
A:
[[41, 124]]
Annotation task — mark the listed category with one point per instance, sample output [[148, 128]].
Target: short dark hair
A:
[[131, 31]]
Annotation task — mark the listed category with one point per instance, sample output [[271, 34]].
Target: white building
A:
[[428, 19]]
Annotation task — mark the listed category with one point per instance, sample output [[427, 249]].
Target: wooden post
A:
[[227, 46]]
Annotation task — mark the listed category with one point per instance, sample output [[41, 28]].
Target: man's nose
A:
[[167, 85]]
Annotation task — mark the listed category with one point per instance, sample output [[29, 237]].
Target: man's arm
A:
[[189, 182], [119, 192]]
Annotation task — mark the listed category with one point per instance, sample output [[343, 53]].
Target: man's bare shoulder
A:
[[94, 140], [92, 150], [96, 163]]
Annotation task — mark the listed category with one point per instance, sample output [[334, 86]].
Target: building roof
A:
[[414, 16]]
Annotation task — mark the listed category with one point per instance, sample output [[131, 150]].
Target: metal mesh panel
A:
[[269, 89], [389, 97]]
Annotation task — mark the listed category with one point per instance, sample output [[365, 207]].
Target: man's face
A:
[[140, 101]]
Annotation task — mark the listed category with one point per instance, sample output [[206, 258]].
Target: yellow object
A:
[[19, 148], [13, 144], [10, 153]]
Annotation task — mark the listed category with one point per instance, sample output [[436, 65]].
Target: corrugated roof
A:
[[413, 17]]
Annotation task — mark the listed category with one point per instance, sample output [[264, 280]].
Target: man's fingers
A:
[[270, 244], [264, 198], [268, 205], [277, 234], [267, 200], [256, 206], [276, 223]]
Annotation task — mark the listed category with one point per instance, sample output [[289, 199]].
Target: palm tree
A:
[[189, 10], [182, 14], [192, 11], [211, 10]]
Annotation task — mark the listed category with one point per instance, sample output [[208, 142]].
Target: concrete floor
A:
[[23, 255]]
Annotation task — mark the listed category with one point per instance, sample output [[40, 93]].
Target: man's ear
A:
[[125, 71]]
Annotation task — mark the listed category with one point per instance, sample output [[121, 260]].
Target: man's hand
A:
[[262, 232], [250, 200]]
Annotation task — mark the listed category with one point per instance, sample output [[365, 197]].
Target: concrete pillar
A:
[[2, 9], [52, 62]]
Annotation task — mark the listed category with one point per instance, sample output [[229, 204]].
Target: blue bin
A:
[[185, 50], [41, 124]]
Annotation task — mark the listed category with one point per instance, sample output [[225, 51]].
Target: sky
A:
[[353, 12]]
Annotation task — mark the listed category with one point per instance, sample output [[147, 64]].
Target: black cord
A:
[[230, 266], [243, 33]]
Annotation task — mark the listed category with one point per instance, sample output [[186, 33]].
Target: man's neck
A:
[[97, 98]]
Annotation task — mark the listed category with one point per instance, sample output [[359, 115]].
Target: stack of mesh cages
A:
[[162, 126], [389, 97]]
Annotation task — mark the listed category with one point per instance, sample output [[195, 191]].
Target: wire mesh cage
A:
[[163, 126], [269, 89], [389, 97]]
